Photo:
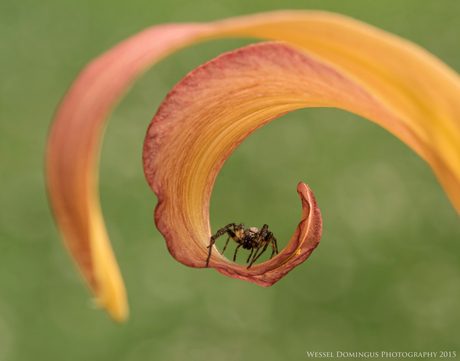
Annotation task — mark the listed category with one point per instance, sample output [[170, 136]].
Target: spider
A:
[[252, 238]]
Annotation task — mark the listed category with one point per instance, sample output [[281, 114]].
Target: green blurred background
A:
[[386, 276]]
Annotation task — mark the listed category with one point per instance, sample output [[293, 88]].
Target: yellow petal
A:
[[421, 91], [417, 97]]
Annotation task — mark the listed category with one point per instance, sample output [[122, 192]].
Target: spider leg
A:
[[219, 233], [236, 234], [255, 255], [236, 250], [273, 250], [250, 254], [240, 229], [272, 241], [260, 254], [228, 239], [260, 242]]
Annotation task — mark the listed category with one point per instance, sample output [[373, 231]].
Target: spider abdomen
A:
[[253, 230]]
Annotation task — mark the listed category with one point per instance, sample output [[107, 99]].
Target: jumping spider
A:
[[252, 238]]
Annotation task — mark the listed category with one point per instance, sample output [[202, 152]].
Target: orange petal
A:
[[204, 119], [413, 95], [73, 154]]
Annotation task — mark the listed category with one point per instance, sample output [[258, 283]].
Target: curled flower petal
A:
[[386, 79], [204, 119]]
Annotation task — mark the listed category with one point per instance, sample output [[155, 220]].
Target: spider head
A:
[[250, 235]]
